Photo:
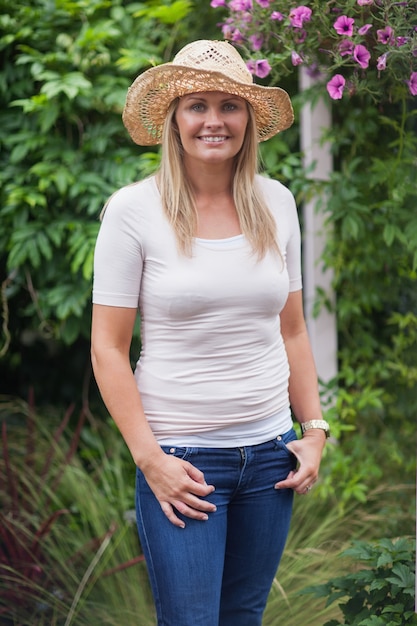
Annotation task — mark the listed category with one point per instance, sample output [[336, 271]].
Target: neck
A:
[[206, 179]]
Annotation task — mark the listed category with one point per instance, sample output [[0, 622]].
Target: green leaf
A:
[[167, 14]]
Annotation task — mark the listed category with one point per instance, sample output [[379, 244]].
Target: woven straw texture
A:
[[198, 67]]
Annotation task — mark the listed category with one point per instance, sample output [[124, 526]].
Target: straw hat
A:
[[201, 66]]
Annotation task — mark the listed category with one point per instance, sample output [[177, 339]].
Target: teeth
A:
[[213, 139]]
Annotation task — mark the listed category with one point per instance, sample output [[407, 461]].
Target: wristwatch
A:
[[319, 424]]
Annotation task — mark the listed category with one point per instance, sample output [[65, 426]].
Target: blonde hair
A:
[[255, 218]]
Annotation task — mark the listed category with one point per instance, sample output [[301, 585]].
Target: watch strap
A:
[[318, 424]]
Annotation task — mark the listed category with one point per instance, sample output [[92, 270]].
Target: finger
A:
[[198, 489], [300, 484], [169, 512], [186, 510], [198, 512], [288, 483], [195, 474]]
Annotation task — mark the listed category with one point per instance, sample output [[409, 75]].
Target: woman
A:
[[209, 252]]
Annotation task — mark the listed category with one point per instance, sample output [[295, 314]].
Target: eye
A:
[[198, 107], [230, 106]]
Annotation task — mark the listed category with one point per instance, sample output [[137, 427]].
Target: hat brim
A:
[[150, 95]]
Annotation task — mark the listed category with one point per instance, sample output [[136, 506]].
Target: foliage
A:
[[379, 592], [24, 528], [371, 44], [65, 69], [68, 548], [319, 532], [86, 567]]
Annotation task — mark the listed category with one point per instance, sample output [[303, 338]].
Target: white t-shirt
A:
[[213, 369]]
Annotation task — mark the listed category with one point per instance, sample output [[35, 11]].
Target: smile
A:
[[213, 139]]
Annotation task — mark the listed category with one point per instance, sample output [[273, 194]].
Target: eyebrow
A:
[[227, 97]]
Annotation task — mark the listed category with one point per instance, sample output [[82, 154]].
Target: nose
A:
[[213, 117]]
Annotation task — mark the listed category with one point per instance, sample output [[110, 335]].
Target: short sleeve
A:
[[118, 259], [293, 246]]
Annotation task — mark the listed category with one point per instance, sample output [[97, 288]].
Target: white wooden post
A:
[[322, 329]]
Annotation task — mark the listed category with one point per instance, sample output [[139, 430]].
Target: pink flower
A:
[[381, 62], [300, 35], [361, 56], [386, 35], [363, 3], [217, 3], [295, 58], [412, 84], [256, 42], [227, 31], [264, 3], [401, 41], [346, 47], [259, 68], [299, 15], [364, 29], [276, 15], [335, 87], [241, 5], [237, 36], [344, 25]]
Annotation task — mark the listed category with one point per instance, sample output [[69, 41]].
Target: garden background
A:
[[68, 547]]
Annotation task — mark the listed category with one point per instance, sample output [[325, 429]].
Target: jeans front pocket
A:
[[281, 443]]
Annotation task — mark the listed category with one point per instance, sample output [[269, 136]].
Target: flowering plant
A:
[[366, 45]]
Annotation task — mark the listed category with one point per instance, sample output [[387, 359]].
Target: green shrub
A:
[[381, 591]]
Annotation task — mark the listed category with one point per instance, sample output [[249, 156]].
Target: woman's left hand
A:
[[308, 452]]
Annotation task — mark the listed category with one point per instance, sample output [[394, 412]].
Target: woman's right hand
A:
[[179, 486]]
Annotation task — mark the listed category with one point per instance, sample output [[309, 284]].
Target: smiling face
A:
[[211, 126]]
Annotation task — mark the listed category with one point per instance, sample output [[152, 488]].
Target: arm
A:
[[304, 395], [175, 483]]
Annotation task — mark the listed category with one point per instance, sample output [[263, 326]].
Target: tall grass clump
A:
[[69, 553]]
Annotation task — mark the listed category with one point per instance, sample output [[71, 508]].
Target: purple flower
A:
[[262, 68], [364, 29], [227, 31], [251, 66], [241, 5], [381, 62], [401, 41], [412, 84], [295, 58], [363, 3], [361, 56], [256, 42], [335, 87], [237, 36], [217, 3], [346, 47], [264, 3], [276, 15], [259, 68], [386, 35], [299, 15], [344, 25]]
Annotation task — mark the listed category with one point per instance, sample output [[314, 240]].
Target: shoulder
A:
[[279, 198], [132, 196], [274, 189]]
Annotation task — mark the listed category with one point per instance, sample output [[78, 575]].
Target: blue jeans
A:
[[219, 572]]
